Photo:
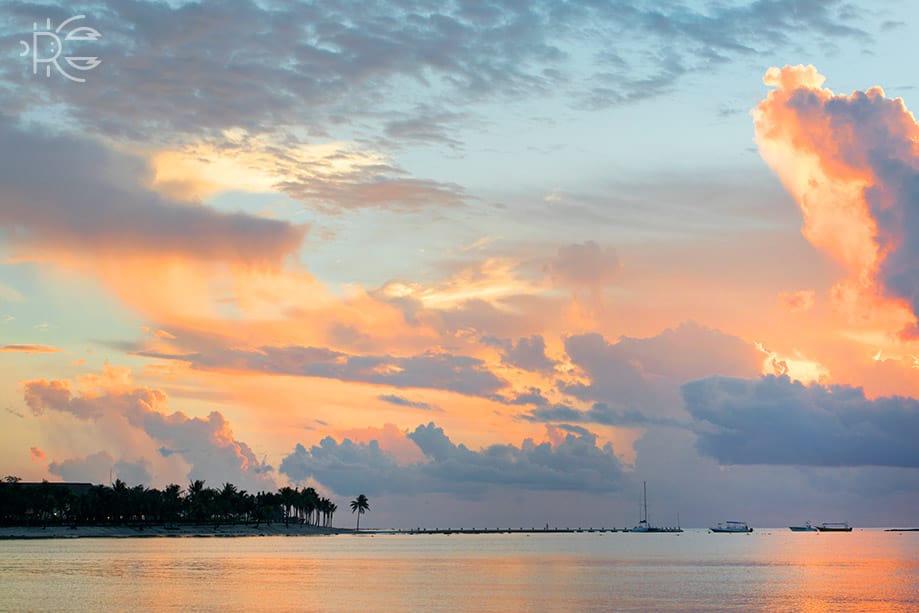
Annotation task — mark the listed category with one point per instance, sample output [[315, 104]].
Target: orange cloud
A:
[[796, 366], [802, 300], [110, 403], [390, 438], [850, 163], [37, 454], [29, 349]]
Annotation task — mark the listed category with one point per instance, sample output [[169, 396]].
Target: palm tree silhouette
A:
[[288, 499], [360, 504]]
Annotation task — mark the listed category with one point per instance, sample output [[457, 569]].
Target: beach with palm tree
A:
[[360, 505]]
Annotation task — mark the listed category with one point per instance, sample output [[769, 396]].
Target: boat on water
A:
[[732, 527], [842, 526], [807, 527], [645, 527]]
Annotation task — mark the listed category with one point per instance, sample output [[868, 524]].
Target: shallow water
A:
[[769, 570]]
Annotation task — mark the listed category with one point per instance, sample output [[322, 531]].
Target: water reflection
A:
[[774, 571]]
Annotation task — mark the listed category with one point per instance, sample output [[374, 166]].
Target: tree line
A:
[[45, 503]]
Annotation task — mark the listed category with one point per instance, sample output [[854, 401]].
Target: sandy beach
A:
[[229, 530]]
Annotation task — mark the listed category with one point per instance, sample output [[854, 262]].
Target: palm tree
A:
[[360, 504], [195, 499], [172, 502], [309, 500], [328, 510], [226, 500], [288, 499]]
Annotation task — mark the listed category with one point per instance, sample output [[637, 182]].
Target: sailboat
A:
[[643, 525]]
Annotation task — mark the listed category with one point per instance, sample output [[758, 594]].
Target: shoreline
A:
[[8, 533], [12, 533]]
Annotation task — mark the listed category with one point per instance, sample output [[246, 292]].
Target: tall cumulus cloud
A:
[[852, 165]]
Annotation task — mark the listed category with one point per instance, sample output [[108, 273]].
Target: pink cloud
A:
[[390, 438], [802, 300], [852, 165], [207, 444]]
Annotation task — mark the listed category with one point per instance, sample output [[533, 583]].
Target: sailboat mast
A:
[[644, 497]]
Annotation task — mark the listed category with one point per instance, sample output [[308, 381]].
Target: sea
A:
[[768, 570]]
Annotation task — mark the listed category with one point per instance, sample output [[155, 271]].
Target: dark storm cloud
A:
[[200, 68], [575, 463], [774, 420]]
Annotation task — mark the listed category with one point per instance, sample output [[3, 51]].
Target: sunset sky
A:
[[488, 263]]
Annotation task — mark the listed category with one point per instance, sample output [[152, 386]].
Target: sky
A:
[[491, 264]]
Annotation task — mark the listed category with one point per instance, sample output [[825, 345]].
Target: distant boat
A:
[[644, 526], [842, 526], [807, 527], [732, 527]]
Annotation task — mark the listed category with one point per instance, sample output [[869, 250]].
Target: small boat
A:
[[842, 526], [807, 527], [732, 527], [644, 527]]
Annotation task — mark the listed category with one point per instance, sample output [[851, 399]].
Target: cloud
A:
[[491, 282], [29, 349], [528, 353], [532, 396], [574, 463], [425, 125], [802, 300], [851, 164], [207, 444], [391, 440], [584, 265], [263, 67], [643, 375], [37, 454], [94, 468], [101, 467], [599, 413], [775, 420], [64, 195], [402, 401], [133, 473], [431, 370], [378, 186]]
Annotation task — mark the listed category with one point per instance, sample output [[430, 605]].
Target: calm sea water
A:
[[769, 570]]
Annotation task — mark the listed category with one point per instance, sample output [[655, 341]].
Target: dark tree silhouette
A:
[[361, 505], [44, 503], [289, 497]]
